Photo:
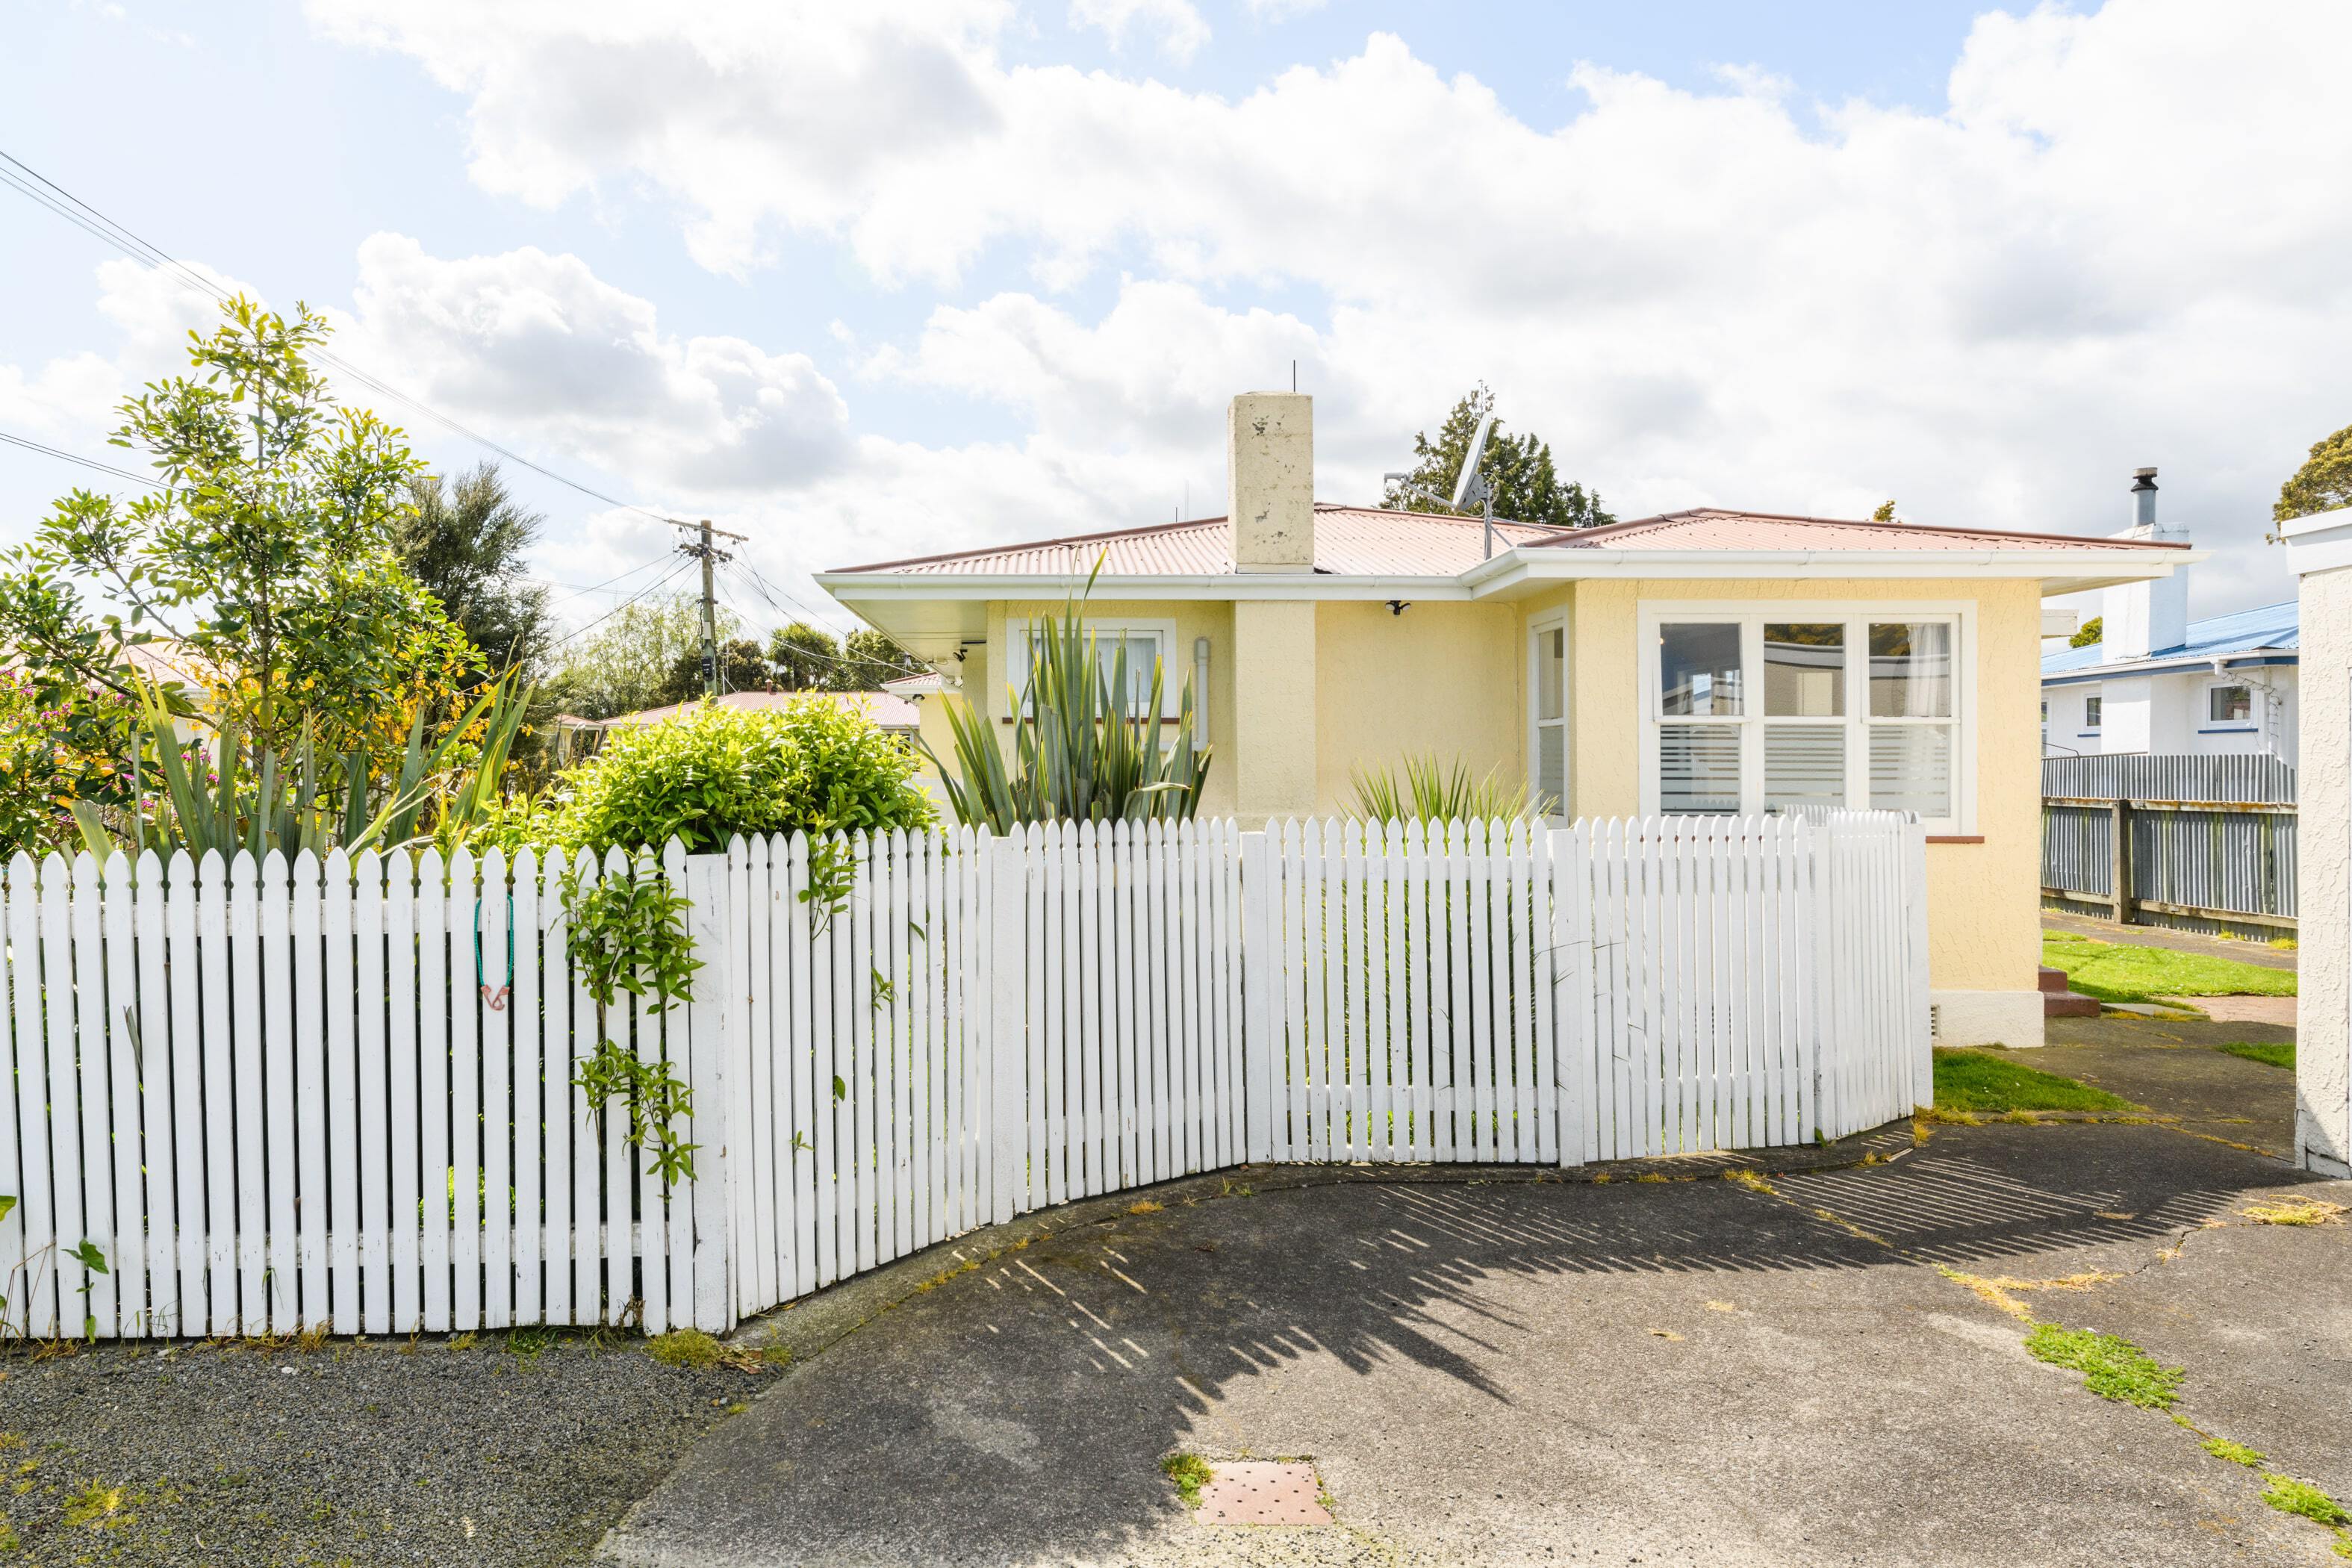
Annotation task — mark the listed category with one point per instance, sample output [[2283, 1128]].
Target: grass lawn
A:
[[2271, 1053], [1983, 1082], [2115, 972]]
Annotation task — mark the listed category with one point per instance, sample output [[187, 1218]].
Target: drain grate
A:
[[1263, 1491]]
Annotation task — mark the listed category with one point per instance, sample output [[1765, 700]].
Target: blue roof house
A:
[[2161, 684]]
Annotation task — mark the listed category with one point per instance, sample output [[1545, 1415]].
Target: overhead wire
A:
[[86, 462], [92, 221]]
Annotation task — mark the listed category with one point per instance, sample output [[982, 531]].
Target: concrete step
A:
[[2069, 1005]]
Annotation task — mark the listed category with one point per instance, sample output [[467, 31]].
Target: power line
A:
[[85, 462], [92, 221], [579, 632]]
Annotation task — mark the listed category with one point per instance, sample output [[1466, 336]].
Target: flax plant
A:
[[1422, 789], [1081, 756]]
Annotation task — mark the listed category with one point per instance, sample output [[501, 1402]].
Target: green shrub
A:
[[816, 766], [1426, 790]]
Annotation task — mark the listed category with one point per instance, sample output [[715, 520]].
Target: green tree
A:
[[2086, 634], [742, 667], [1886, 513], [806, 657], [2323, 482], [1518, 470], [627, 663], [868, 659], [265, 555], [464, 541]]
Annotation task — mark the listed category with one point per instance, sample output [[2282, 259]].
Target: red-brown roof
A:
[[1350, 540], [886, 710], [1368, 542], [1718, 528]]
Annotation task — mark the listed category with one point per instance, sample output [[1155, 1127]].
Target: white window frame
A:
[[1750, 615], [1174, 672], [2094, 718], [2251, 723], [1538, 629]]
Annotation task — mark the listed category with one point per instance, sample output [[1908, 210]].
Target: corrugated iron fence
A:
[[2153, 778], [2198, 863]]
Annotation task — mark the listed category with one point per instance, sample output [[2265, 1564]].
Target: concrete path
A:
[[1502, 1372], [2170, 1065]]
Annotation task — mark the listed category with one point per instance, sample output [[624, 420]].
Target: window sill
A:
[[2232, 729], [1955, 839]]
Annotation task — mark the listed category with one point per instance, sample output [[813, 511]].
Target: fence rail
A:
[[2235, 777], [280, 1096], [2212, 862]]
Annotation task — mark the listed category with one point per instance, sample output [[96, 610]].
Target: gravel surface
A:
[[448, 1452]]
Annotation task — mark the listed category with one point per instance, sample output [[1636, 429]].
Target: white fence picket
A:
[[348, 1092]]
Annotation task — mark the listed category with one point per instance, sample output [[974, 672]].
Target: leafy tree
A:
[[742, 667], [265, 556], [1886, 513], [1518, 470], [2323, 482], [628, 662], [868, 659], [2089, 632], [466, 543], [806, 657]]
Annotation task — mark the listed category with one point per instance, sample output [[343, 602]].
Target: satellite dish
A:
[[1463, 481]]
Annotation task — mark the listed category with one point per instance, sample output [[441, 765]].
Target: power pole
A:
[[710, 555]]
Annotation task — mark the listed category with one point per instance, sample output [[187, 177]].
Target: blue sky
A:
[[1726, 253]]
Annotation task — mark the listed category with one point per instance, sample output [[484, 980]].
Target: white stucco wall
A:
[[2324, 877]]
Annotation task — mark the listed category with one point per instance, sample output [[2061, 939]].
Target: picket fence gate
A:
[[341, 1093]]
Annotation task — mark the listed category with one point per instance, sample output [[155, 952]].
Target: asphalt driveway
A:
[[1505, 1371]]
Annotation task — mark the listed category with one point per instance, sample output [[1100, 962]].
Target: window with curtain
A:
[[1548, 652], [1144, 645], [1758, 714]]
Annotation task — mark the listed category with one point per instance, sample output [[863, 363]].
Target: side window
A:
[[2229, 704], [2090, 712]]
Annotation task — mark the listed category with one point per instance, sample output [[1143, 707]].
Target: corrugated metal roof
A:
[[2270, 627], [1366, 542], [1716, 527], [1349, 542]]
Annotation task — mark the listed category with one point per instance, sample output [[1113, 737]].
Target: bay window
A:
[[1800, 705]]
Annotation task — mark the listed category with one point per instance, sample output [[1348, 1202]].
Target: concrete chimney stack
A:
[[1270, 454], [2145, 618]]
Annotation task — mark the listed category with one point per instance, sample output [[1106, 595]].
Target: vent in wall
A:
[[1935, 1020]]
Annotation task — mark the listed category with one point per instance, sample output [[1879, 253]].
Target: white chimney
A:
[[1270, 453], [2143, 618]]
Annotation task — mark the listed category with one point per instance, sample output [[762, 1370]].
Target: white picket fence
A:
[[278, 1097]]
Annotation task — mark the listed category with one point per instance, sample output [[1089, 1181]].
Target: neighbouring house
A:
[[2157, 683], [1703, 661]]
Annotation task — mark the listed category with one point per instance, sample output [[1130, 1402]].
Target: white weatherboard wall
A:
[[279, 1096]]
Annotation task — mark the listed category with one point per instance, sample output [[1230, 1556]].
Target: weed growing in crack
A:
[[2112, 1367], [1189, 1473], [2288, 1495], [687, 1349], [2295, 1211], [2236, 1453]]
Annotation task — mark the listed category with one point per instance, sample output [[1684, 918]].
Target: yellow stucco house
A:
[[1699, 661]]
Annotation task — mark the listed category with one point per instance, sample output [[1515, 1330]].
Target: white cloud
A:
[[550, 354], [1180, 28], [76, 396], [2119, 242]]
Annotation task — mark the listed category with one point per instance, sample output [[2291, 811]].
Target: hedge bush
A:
[[816, 766]]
